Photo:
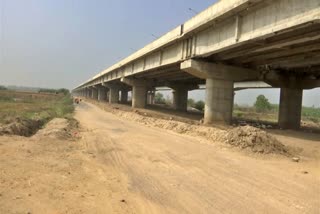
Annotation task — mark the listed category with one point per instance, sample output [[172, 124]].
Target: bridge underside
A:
[[294, 52], [287, 59]]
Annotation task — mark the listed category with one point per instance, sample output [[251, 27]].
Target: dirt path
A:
[[123, 167]]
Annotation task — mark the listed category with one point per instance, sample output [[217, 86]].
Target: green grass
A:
[[311, 113], [34, 106], [248, 112]]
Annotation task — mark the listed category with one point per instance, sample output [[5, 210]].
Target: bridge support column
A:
[[88, 93], [114, 95], [219, 101], [108, 95], [150, 97], [124, 96], [139, 91], [180, 95], [291, 96], [180, 99], [290, 108], [94, 93], [102, 93], [219, 87]]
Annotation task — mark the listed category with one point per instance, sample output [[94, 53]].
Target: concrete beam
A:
[[206, 70], [309, 83], [250, 85], [138, 82], [278, 80]]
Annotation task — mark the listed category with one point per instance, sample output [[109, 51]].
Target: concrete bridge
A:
[[274, 41]]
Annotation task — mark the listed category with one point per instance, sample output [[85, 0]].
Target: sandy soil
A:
[[121, 166]]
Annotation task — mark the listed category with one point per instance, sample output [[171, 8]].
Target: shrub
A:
[[159, 99], [262, 104], [199, 105], [191, 102], [2, 88]]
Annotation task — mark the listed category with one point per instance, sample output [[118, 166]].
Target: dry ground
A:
[[120, 166]]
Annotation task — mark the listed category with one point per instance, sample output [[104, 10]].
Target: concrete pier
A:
[[219, 101], [102, 93], [290, 108], [113, 95], [94, 93], [139, 94], [139, 91], [180, 94], [180, 99], [150, 97], [124, 96], [219, 87], [87, 93]]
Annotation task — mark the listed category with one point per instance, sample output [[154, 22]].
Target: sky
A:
[[62, 43]]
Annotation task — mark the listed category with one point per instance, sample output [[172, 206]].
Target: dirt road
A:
[[122, 167]]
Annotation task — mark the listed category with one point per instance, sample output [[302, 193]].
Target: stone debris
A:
[[257, 140], [295, 159]]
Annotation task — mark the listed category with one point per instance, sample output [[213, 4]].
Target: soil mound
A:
[[58, 128], [22, 127], [210, 133], [259, 141], [245, 137]]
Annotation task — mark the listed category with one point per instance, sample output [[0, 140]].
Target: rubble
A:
[[257, 140]]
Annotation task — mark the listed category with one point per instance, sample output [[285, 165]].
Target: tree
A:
[[63, 91], [2, 88], [159, 99], [199, 105], [191, 102], [262, 104]]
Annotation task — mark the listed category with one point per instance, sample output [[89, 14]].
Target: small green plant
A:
[[199, 105], [159, 99], [239, 114]]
